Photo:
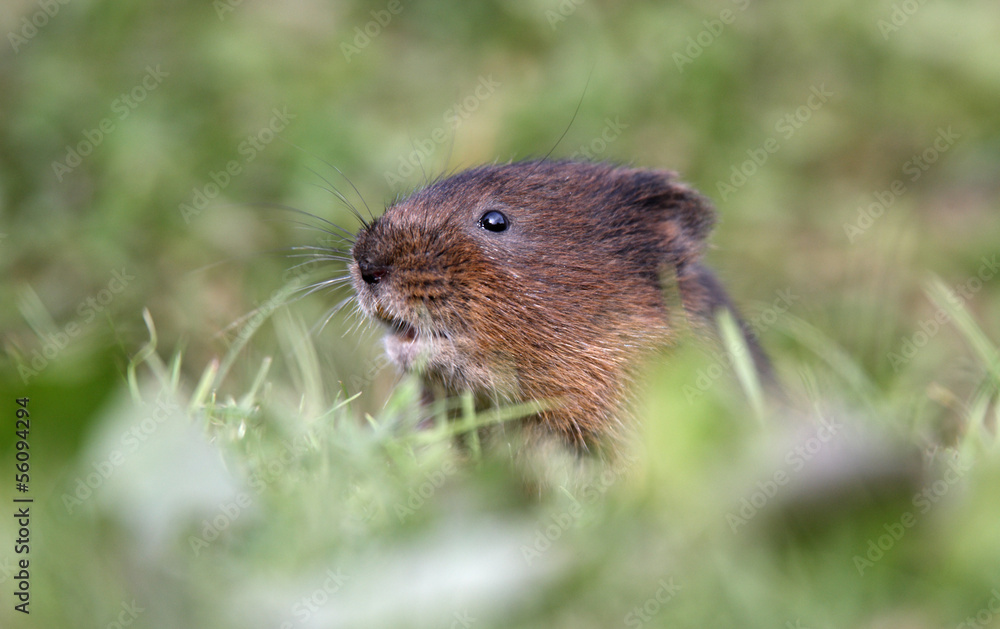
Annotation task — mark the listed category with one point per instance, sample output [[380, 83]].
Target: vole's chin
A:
[[438, 358], [409, 350]]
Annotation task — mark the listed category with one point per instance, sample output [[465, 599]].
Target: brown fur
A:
[[562, 306]]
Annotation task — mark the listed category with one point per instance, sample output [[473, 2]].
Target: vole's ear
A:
[[684, 217], [688, 218]]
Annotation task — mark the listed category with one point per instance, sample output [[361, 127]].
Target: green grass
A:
[[162, 406], [280, 497]]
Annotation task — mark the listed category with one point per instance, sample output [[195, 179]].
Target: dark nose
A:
[[371, 272]]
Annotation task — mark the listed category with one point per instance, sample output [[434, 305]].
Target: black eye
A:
[[493, 221]]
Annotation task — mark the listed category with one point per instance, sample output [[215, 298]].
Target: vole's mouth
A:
[[402, 330]]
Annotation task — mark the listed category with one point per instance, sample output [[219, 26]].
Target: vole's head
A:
[[528, 279]]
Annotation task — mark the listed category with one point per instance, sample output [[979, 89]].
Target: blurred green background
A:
[[852, 150]]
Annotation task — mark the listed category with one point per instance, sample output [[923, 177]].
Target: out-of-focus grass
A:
[[268, 510], [315, 433]]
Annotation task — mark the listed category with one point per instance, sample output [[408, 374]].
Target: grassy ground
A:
[[193, 466]]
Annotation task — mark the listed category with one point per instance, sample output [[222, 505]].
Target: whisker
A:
[[315, 248], [287, 208], [237, 322], [341, 173], [571, 121], [257, 254], [332, 189], [312, 288], [309, 227], [357, 214], [317, 257], [320, 249], [331, 313], [357, 192], [307, 250], [420, 160], [308, 262]]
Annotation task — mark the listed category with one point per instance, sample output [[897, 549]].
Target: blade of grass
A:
[[975, 426], [488, 417], [469, 417], [175, 370], [834, 356], [35, 314], [254, 320], [145, 353], [739, 353], [946, 300], [303, 361], [247, 401], [205, 386]]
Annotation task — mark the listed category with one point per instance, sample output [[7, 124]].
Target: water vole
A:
[[540, 280]]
